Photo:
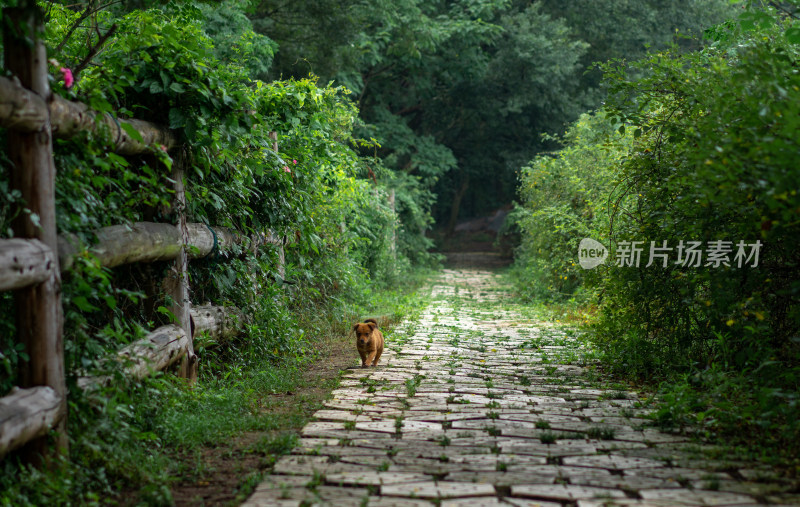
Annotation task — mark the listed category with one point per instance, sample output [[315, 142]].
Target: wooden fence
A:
[[31, 264]]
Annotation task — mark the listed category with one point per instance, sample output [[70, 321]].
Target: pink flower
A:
[[295, 161], [286, 169], [68, 79]]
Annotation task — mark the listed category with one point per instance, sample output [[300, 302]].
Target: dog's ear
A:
[[372, 325], [355, 327]]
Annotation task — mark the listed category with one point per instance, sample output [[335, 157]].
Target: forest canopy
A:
[[459, 93]]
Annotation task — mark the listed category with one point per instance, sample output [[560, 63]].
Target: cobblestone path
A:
[[474, 405]]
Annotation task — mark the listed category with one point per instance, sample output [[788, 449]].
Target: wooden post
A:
[[39, 312], [274, 136], [178, 283]]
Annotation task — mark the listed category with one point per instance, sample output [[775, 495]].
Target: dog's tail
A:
[[367, 321]]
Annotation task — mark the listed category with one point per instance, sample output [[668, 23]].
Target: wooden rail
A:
[[26, 414], [214, 325], [22, 110], [150, 242], [155, 352], [24, 262]]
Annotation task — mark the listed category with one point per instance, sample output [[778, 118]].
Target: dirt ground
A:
[[475, 250], [232, 465], [485, 260]]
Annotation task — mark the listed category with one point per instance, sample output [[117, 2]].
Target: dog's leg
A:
[[371, 357], [363, 358], [377, 357]]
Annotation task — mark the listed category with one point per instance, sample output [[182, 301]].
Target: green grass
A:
[[601, 432], [412, 384], [548, 438], [133, 443]]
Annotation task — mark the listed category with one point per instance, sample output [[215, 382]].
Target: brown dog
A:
[[369, 342]]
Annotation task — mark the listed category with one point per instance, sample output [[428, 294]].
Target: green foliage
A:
[[458, 93], [729, 406], [227, 24], [716, 162], [705, 150], [624, 29], [189, 67], [567, 196]]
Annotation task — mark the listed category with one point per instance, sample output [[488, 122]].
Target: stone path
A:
[[479, 406]]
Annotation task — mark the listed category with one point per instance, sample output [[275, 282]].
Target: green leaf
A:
[[793, 34], [163, 310], [176, 118], [82, 304], [177, 87], [165, 79], [131, 131], [110, 301]]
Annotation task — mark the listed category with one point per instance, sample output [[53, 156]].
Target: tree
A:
[[458, 93]]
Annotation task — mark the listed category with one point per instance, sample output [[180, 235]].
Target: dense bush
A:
[[716, 162], [565, 198], [693, 147]]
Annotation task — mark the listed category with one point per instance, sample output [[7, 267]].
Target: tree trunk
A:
[[24, 262], [39, 317], [24, 111], [455, 206], [28, 414]]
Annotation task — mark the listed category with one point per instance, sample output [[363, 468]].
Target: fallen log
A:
[[214, 325], [26, 414], [155, 352], [150, 242], [24, 262], [22, 110]]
